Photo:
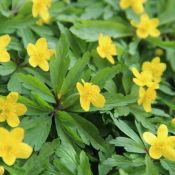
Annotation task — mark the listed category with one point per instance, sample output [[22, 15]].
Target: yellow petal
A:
[[138, 7], [35, 10], [98, 101], [124, 4], [44, 65], [85, 103], [80, 87], [31, 49], [135, 72], [33, 61], [4, 41], [142, 33], [44, 13], [147, 106], [4, 134], [13, 120], [13, 97], [169, 153], [149, 138], [4, 56], [9, 159], [42, 43], [17, 134], [154, 152], [155, 33], [2, 117], [24, 151], [162, 132], [155, 22], [2, 170], [171, 141], [110, 59], [20, 109]]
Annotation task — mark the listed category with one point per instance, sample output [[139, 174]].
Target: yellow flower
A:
[[1, 170], [106, 48], [40, 54], [137, 6], [12, 147], [155, 67], [40, 8], [142, 79], [147, 27], [90, 93], [162, 145], [10, 110], [146, 97], [4, 55]]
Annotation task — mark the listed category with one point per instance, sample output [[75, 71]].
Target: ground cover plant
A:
[[87, 87]]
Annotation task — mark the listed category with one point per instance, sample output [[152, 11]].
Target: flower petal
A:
[[169, 153], [9, 159], [44, 65], [4, 134], [33, 61], [20, 109], [24, 151], [162, 132], [149, 138], [154, 152], [13, 97], [13, 120], [85, 103], [124, 4], [4, 56], [31, 49], [98, 101], [42, 43], [4, 41], [17, 134]]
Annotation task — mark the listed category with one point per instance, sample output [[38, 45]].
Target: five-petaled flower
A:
[[90, 93], [4, 41], [41, 8], [40, 54], [162, 145], [106, 48], [146, 97], [155, 67], [146, 27], [136, 5], [12, 147], [10, 110]]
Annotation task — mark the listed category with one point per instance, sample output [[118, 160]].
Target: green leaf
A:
[[77, 127], [106, 74], [36, 107], [127, 130], [7, 68], [151, 169], [59, 64], [74, 74], [90, 30], [36, 130], [129, 144], [34, 84], [168, 165], [84, 165]]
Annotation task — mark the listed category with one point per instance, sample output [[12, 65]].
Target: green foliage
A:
[[65, 139]]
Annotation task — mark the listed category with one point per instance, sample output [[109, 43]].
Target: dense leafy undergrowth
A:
[[85, 86]]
